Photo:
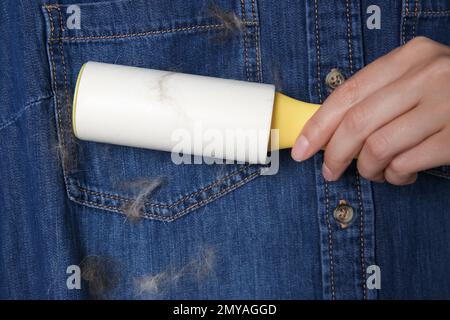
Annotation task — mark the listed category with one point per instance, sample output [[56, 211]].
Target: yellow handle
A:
[[289, 116]]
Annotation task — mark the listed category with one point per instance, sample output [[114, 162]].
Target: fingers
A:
[[365, 118], [319, 129], [393, 115], [397, 136], [428, 154]]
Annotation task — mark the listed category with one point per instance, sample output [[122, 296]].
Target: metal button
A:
[[343, 214], [334, 79]]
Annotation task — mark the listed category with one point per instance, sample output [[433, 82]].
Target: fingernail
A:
[[300, 149], [326, 172]]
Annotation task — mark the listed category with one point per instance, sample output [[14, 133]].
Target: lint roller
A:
[[177, 112]]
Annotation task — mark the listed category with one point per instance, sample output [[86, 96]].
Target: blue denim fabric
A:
[[208, 231]]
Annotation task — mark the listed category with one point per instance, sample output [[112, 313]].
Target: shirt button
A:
[[343, 214], [334, 79]]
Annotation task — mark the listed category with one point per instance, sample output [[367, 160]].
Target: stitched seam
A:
[[430, 13], [349, 36], [48, 8], [17, 115], [60, 18], [405, 18], [146, 33], [162, 205], [330, 242], [316, 27], [415, 18], [66, 91], [51, 6], [436, 11], [358, 186], [258, 55], [97, 205], [361, 235], [327, 200], [172, 204], [209, 199], [181, 213], [54, 84], [247, 70]]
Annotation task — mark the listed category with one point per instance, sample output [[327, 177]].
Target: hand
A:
[[393, 116]]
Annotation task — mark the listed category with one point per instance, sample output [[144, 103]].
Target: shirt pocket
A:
[[429, 18], [182, 36]]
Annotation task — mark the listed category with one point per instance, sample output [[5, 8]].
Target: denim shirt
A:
[[68, 224]]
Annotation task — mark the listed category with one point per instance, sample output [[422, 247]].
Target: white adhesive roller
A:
[[155, 109]]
